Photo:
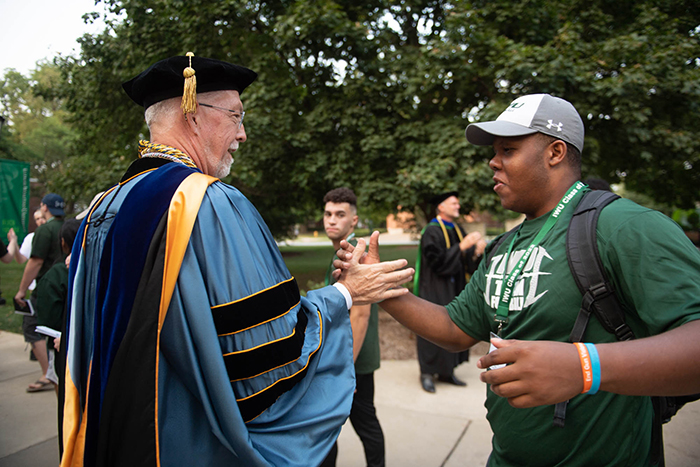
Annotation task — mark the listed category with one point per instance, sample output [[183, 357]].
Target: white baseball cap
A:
[[534, 113]]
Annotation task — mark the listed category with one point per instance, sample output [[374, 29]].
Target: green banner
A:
[[14, 198]]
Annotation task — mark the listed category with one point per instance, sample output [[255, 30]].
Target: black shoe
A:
[[427, 382], [2, 301], [452, 379]]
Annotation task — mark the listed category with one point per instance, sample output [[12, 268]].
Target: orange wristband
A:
[[586, 367]]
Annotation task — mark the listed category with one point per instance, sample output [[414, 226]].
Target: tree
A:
[[376, 95], [36, 131], [631, 69]]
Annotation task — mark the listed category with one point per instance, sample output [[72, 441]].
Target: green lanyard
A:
[[501, 316]]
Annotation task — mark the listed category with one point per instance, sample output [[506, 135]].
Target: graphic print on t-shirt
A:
[[525, 290]]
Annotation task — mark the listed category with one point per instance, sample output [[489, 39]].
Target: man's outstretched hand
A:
[[367, 279], [346, 251]]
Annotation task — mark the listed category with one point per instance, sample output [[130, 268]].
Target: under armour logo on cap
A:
[[551, 124]]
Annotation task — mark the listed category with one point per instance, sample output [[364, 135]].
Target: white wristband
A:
[[344, 290]]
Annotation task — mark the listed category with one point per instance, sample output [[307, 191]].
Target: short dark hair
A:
[[595, 183], [68, 232], [573, 155], [341, 195]]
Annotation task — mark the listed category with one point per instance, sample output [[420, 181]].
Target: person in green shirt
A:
[[51, 312], [526, 294], [46, 250], [339, 221], [52, 289]]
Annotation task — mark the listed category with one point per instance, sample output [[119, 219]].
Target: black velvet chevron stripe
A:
[[267, 357], [256, 309], [252, 407]]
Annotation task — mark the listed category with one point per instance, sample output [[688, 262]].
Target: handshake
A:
[[368, 279]]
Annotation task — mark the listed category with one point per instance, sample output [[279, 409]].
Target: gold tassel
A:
[[189, 94]]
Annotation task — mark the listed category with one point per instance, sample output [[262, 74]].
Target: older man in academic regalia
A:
[[188, 342], [446, 258]]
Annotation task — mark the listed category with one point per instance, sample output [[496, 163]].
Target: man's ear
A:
[[355, 218], [557, 152], [192, 122]]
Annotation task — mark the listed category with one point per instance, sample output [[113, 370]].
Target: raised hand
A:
[[480, 247], [469, 241], [372, 255], [12, 245], [372, 282], [346, 251], [11, 235]]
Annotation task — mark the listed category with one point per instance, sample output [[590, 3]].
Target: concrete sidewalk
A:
[[446, 429], [28, 423]]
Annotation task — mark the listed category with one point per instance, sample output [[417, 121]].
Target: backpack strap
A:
[[587, 269], [599, 298]]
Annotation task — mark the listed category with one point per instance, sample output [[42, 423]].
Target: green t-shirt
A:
[[52, 298], [368, 360], [654, 269], [46, 245]]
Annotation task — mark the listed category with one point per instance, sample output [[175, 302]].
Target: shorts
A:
[[51, 370], [29, 324]]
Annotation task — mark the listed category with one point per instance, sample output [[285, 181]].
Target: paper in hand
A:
[[48, 331]]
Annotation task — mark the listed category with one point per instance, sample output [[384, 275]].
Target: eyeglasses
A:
[[237, 114]]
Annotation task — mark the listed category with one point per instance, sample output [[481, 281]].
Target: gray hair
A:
[[163, 114]]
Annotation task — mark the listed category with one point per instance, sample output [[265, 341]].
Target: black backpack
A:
[[599, 299]]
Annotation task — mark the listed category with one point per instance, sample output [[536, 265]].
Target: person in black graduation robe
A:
[[447, 257]]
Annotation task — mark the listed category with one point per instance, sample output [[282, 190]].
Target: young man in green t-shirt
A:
[[339, 221], [527, 295], [46, 250]]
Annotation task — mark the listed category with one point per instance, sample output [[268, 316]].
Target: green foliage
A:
[[642, 199], [375, 95], [37, 131], [627, 67], [689, 219]]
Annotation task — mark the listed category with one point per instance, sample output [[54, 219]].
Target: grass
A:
[[10, 277], [307, 263]]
